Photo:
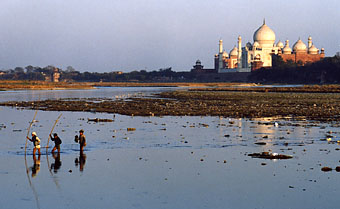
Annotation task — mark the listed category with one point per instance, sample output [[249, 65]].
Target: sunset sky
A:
[[127, 35]]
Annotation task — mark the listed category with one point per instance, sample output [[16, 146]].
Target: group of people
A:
[[81, 139]]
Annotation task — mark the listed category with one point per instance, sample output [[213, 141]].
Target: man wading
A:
[[57, 142], [81, 140], [36, 142]]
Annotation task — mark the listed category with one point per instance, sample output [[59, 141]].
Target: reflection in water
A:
[[36, 166], [81, 160], [57, 163]]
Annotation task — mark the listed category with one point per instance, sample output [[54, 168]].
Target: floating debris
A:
[[326, 169], [267, 155], [99, 120], [260, 143], [131, 129]]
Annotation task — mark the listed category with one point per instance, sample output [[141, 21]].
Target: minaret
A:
[[309, 42], [220, 57], [221, 46], [239, 52]]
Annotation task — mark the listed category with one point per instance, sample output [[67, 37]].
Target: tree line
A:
[[327, 70]]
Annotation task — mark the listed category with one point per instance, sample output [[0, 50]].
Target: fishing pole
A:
[[48, 162], [27, 170], [49, 136]]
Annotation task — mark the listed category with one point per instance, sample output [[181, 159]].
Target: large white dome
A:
[[264, 36]]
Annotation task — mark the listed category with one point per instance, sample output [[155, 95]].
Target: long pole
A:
[[27, 170], [49, 136], [29, 128]]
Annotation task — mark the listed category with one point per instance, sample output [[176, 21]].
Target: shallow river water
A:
[[167, 162]]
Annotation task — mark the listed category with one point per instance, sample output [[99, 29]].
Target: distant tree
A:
[[70, 69], [337, 54], [29, 69], [19, 70]]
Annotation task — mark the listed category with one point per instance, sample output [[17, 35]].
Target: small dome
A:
[[287, 49], [280, 45], [299, 46], [233, 52], [313, 50], [265, 36], [225, 54], [256, 44]]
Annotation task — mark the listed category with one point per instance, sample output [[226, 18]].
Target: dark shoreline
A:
[[311, 106]]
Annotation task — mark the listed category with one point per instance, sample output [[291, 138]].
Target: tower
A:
[[220, 46], [309, 42], [239, 52]]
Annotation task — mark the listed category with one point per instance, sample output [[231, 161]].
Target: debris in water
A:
[[99, 120], [260, 143], [131, 129], [326, 169], [267, 155]]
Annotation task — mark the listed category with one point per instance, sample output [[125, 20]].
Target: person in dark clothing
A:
[[57, 142], [81, 140], [36, 143]]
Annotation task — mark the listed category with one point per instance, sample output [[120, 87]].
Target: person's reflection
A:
[[81, 160], [57, 163], [36, 166]]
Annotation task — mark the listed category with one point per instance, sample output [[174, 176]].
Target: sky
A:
[[127, 35]]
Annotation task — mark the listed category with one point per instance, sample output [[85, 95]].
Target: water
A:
[[99, 92], [167, 162]]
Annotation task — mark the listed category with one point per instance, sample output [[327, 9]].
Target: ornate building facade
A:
[[258, 54]]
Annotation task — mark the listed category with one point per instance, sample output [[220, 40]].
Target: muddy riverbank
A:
[[291, 89], [44, 85], [314, 106]]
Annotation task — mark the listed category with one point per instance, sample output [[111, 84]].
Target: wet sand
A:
[[312, 106]]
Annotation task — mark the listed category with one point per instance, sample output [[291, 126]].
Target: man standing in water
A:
[[36, 143], [81, 140], [57, 142]]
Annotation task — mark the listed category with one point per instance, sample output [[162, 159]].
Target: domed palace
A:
[[259, 54]]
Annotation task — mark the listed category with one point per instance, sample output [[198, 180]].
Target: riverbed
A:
[[164, 162]]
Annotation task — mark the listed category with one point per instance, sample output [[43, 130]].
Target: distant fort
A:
[[259, 54]]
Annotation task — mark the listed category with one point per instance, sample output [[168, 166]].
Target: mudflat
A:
[[239, 104]]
